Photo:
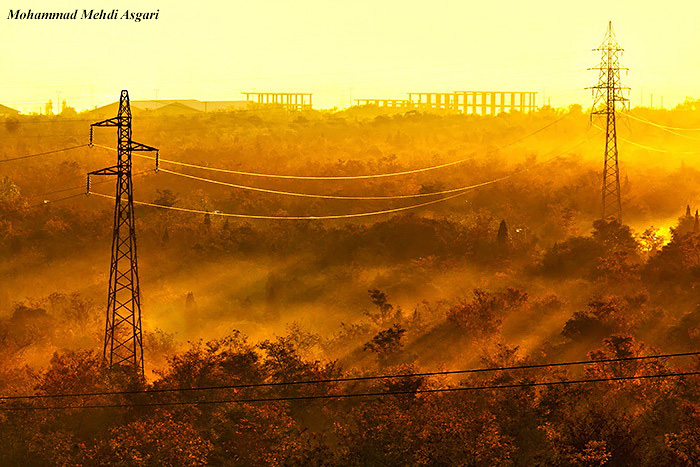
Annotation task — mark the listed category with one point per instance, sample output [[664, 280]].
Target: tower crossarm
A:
[[139, 147], [134, 146], [114, 170], [114, 121]]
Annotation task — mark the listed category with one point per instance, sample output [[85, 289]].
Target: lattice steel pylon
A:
[[606, 94], [123, 344]]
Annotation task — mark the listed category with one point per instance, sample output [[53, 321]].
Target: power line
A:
[[63, 190], [338, 197], [43, 153], [666, 128], [354, 378], [341, 216], [362, 394], [55, 120], [40, 136], [47, 201], [651, 148], [75, 187], [326, 217], [312, 195], [263, 217], [344, 177], [43, 203]]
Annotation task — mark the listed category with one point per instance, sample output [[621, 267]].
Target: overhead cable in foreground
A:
[[347, 379], [457, 389]]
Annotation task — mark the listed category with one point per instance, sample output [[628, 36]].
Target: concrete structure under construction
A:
[[289, 100], [467, 102]]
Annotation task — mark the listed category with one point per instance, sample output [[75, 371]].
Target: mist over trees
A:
[[518, 272]]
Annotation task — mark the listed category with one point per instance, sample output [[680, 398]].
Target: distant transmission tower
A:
[[123, 343], [606, 94]]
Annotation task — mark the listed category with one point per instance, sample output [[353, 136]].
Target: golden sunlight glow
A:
[[342, 51]]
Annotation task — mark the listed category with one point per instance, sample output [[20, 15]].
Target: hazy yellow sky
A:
[[213, 50]]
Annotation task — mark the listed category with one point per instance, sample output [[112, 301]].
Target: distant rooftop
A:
[[201, 106], [175, 106], [4, 110]]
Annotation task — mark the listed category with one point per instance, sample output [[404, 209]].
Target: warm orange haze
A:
[[446, 272]]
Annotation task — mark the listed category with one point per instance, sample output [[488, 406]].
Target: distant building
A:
[[174, 107], [387, 103], [7, 111], [188, 105], [288, 100], [467, 102]]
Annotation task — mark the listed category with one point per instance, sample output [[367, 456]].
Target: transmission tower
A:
[[122, 342], [606, 94]]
